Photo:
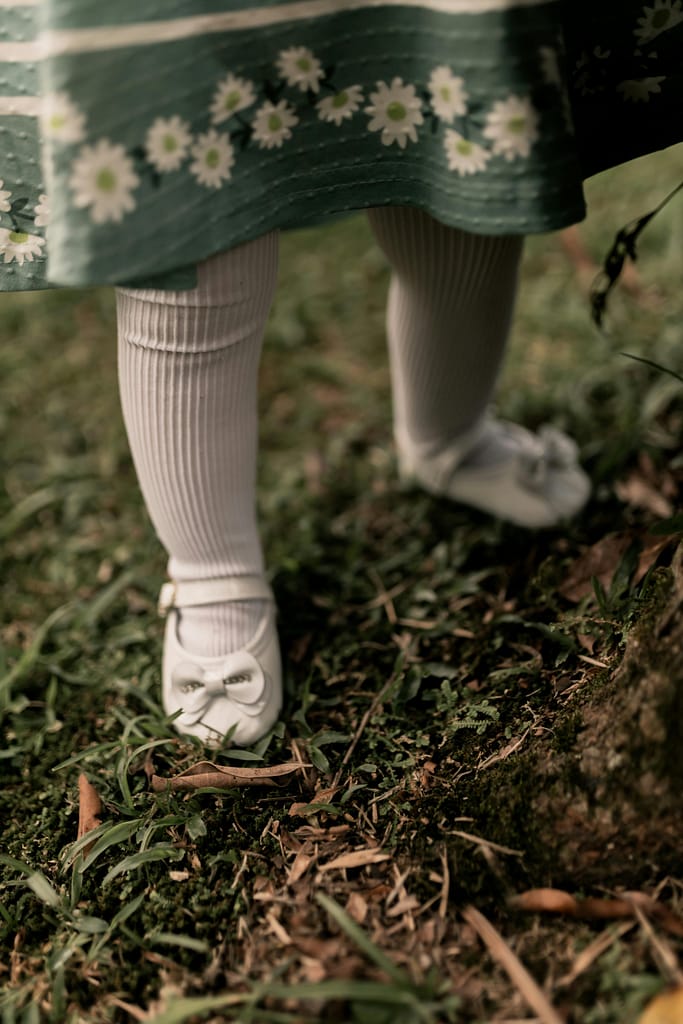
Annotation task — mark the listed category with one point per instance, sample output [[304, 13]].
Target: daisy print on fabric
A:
[[273, 123], [167, 143], [663, 15], [396, 112], [19, 246], [213, 159], [4, 196], [639, 90], [464, 156], [232, 95], [342, 106], [512, 126], [300, 68], [61, 119], [103, 181], [41, 217], [449, 99]]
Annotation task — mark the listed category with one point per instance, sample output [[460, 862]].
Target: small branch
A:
[[513, 967]]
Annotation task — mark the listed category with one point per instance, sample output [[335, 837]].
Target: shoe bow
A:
[[239, 679], [550, 450]]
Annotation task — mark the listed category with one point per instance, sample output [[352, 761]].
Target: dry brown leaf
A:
[[601, 560], [179, 876], [356, 907], [666, 1008], [556, 901], [217, 776], [89, 809], [277, 929], [638, 492], [513, 966], [546, 901], [652, 549], [355, 859], [300, 864]]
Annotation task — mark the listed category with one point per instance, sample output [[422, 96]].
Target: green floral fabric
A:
[[137, 138]]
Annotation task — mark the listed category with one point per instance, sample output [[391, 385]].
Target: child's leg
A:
[[450, 305], [188, 364]]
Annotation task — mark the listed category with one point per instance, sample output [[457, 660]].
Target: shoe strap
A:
[[191, 593]]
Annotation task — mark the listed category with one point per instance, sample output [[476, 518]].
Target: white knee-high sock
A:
[[188, 365], [450, 304]]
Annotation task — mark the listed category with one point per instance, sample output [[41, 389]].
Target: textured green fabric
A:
[[168, 130]]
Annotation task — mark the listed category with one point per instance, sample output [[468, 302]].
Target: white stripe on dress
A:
[[20, 106], [109, 37], [19, 53]]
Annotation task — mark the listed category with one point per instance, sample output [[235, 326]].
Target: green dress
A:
[[140, 136]]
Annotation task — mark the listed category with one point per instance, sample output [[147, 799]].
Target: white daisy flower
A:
[[61, 119], [449, 99], [232, 94], [396, 111], [19, 246], [299, 67], [550, 66], [464, 156], [214, 158], [512, 126], [167, 143], [639, 90], [342, 106], [272, 124], [103, 179], [4, 196], [663, 15], [42, 212]]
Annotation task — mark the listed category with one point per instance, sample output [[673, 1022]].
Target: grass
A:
[[419, 642]]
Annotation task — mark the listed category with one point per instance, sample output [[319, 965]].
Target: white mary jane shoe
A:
[[536, 483], [238, 693]]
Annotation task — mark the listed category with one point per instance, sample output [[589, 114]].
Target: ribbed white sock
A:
[[188, 364], [450, 304]]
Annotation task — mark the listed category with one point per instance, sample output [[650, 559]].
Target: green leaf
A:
[[655, 366], [318, 758], [164, 851], [43, 889], [321, 739], [182, 1010], [91, 925], [111, 835], [195, 827], [361, 940], [181, 941]]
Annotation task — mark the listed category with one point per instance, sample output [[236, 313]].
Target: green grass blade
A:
[[361, 940], [137, 860]]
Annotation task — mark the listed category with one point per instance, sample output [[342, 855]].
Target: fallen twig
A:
[[513, 967], [593, 950]]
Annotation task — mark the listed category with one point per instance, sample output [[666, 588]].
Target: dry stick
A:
[[593, 951], [662, 951], [513, 967], [360, 730], [488, 843], [445, 882]]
